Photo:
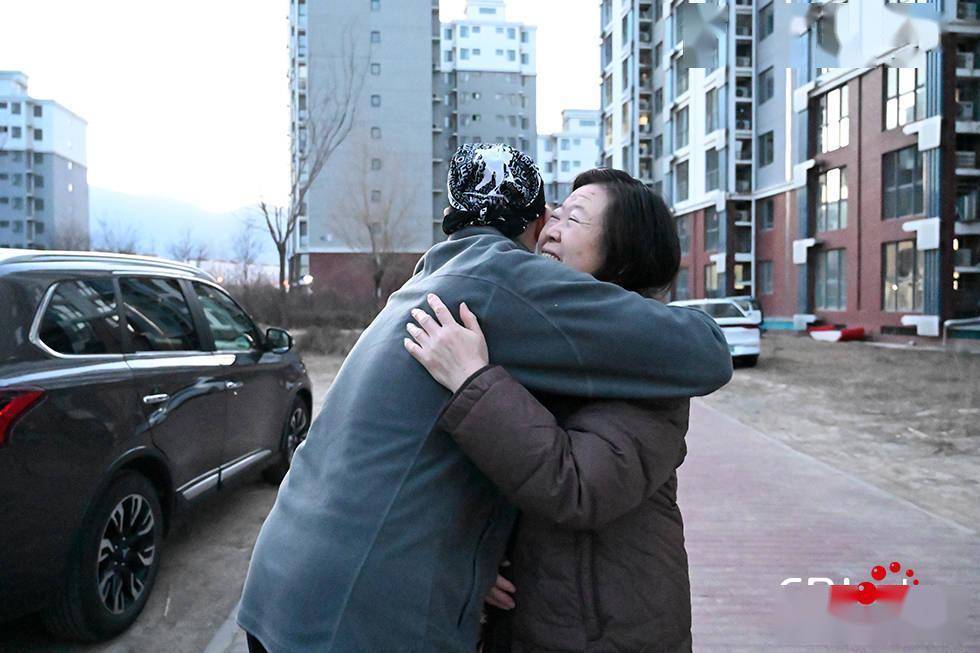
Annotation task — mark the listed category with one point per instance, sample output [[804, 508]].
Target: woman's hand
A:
[[499, 595], [449, 351]]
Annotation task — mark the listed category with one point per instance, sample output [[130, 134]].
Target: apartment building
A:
[[833, 192], [43, 174], [485, 91], [573, 150], [372, 201]]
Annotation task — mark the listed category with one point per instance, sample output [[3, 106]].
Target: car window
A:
[[81, 319], [721, 310], [157, 315], [230, 325]]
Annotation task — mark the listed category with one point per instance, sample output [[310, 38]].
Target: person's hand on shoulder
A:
[[449, 351]]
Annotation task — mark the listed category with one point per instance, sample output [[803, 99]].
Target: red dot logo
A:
[[878, 572], [895, 567], [867, 593]]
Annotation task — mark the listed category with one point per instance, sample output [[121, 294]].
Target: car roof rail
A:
[[57, 256]]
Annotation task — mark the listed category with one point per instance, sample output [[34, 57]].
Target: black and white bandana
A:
[[493, 185]]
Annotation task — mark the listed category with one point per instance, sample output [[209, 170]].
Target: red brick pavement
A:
[[757, 512]]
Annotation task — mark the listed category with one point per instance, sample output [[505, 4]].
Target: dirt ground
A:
[[904, 419]]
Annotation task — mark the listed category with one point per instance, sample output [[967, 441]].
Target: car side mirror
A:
[[278, 341]]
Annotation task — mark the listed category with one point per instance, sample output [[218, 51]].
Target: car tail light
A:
[[13, 405]]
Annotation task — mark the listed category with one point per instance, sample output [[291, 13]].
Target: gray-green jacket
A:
[[384, 536]]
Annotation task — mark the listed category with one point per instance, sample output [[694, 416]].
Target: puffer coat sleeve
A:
[[603, 461]]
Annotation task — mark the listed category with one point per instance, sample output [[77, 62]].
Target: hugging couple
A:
[[506, 432]]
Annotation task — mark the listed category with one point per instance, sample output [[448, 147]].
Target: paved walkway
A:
[[757, 512]]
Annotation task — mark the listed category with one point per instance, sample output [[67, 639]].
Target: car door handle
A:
[[233, 385], [155, 399]]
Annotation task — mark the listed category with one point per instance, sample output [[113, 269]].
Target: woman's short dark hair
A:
[[639, 238]]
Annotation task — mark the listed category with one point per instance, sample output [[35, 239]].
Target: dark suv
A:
[[129, 388]]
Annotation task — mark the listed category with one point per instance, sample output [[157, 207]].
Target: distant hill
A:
[[156, 223]]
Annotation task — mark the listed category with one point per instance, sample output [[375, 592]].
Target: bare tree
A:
[[188, 249], [246, 250], [331, 116], [373, 217], [120, 239], [72, 237]]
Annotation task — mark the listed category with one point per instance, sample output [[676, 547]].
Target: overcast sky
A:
[[188, 99]]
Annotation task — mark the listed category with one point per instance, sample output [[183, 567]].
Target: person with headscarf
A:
[[384, 535]]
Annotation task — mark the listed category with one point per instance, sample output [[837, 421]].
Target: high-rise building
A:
[[575, 149], [486, 89], [370, 207], [825, 170], [43, 181]]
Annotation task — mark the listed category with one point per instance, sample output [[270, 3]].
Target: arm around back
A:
[[623, 345]]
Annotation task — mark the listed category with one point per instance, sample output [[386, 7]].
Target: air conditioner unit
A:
[[966, 159], [965, 110], [741, 91], [743, 62], [743, 124], [964, 60], [963, 258]]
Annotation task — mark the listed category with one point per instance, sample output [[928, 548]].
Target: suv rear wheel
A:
[[113, 565]]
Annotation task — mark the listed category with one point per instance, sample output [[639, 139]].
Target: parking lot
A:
[[900, 424]]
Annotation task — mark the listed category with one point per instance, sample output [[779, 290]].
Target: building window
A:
[[38, 158], [38, 111], [464, 53], [682, 182], [15, 108], [375, 69], [658, 55], [681, 290], [683, 234], [831, 280], [767, 213], [375, 195], [15, 132], [626, 73], [511, 33], [464, 31], [375, 37], [375, 100], [375, 133], [680, 129], [767, 149], [476, 52], [711, 281], [449, 33], [767, 85], [658, 146], [765, 277], [38, 204], [525, 59], [766, 20], [375, 164], [375, 5], [902, 273], [511, 55], [902, 181], [834, 122], [38, 181], [905, 96], [565, 166], [832, 208], [38, 134], [710, 229], [711, 176], [711, 108], [658, 100]]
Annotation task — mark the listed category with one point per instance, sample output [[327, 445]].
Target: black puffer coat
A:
[[598, 556]]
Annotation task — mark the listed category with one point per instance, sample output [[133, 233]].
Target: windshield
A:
[[727, 309]]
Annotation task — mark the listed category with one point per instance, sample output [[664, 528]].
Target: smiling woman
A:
[[617, 229]]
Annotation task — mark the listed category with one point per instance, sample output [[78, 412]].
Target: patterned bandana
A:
[[493, 185]]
